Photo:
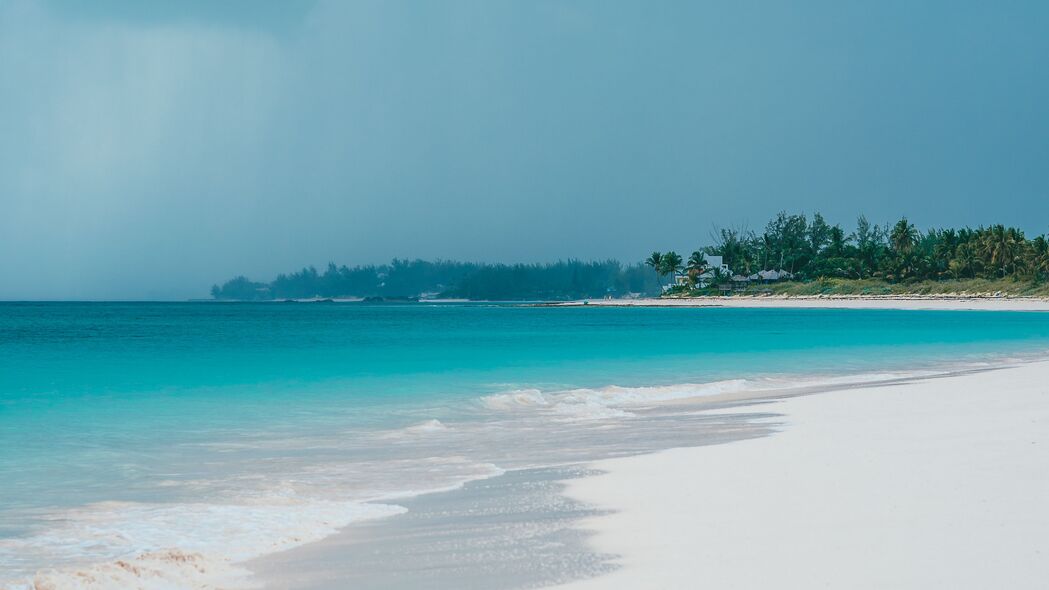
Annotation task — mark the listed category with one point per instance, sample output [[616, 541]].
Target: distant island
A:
[[793, 255], [411, 279]]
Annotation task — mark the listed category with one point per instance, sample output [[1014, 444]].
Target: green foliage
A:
[[655, 260], [670, 264], [895, 253], [956, 287], [697, 265], [570, 279], [242, 289], [562, 280], [875, 259]]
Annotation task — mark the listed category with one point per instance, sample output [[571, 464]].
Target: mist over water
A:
[[149, 151]]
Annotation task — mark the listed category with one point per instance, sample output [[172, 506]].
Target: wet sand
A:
[[542, 527]]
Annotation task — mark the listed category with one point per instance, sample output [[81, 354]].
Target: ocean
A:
[[232, 430]]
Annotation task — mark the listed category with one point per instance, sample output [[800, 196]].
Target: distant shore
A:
[[956, 302], [926, 302]]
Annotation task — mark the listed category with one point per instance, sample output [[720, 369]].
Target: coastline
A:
[[609, 528], [901, 302], [932, 484], [306, 516], [599, 514]]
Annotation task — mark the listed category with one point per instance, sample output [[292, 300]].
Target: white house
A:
[[713, 262], [738, 281]]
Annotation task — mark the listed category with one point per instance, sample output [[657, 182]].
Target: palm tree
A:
[[944, 246], [718, 276], [1000, 246], [903, 236], [1019, 242], [697, 265], [765, 244], [964, 261], [656, 262], [902, 240], [1039, 258], [671, 264]]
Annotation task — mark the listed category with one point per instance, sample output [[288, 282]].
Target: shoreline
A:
[[751, 407], [899, 302], [323, 564], [930, 484]]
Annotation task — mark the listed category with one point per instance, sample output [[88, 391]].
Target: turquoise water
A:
[[117, 420]]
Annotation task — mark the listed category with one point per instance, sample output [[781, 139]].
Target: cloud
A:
[[125, 143], [151, 149], [244, 14]]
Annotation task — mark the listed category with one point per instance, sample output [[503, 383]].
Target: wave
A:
[[163, 546], [484, 471], [162, 570], [606, 402], [424, 428], [156, 546], [616, 401]]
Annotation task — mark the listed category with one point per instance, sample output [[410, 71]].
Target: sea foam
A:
[[612, 401], [161, 546], [424, 428]]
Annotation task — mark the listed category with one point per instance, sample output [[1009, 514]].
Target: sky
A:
[[149, 150]]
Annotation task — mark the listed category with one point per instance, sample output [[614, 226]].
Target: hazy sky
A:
[[150, 151]]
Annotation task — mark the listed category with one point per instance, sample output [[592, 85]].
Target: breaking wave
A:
[[164, 546], [155, 546], [161, 570], [607, 402], [424, 428], [616, 401]]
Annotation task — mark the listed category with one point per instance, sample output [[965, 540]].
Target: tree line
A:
[[571, 279], [807, 248], [812, 248]]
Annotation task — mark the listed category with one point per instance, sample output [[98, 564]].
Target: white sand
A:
[[839, 302], [935, 484]]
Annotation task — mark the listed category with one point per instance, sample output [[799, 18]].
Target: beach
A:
[[934, 482], [898, 302], [478, 446], [939, 483], [459, 295]]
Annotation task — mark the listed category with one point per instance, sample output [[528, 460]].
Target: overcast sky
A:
[[150, 151]]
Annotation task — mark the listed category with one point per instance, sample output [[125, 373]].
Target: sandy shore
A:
[[939, 483], [936, 302]]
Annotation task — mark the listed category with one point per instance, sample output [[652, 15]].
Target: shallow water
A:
[[521, 534], [239, 429]]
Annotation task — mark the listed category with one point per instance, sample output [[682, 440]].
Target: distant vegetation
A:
[[571, 279], [894, 258], [1012, 286], [821, 258]]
